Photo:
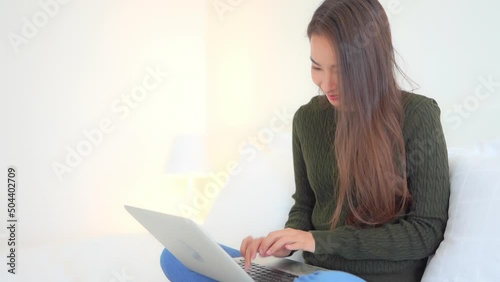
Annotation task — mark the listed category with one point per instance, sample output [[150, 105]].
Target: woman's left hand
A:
[[290, 239]]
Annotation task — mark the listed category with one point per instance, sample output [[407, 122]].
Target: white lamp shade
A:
[[189, 155]]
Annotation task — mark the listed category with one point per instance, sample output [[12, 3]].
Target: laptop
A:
[[188, 242]]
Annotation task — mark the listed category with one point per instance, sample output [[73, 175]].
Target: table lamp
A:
[[188, 159]]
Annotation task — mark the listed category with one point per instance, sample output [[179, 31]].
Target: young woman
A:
[[370, 160]]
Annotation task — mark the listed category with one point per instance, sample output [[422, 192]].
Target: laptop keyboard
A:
[[261, 273]]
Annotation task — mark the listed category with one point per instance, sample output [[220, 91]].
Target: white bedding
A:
[[117, 258]]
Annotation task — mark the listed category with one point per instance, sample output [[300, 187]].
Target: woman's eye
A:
[[315, 68]]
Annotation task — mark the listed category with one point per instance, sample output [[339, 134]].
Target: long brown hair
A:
[[369, 145]]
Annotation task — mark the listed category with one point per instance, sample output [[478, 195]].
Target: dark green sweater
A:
[[392, 252]]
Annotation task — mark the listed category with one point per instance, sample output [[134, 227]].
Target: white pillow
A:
[[470, 250]]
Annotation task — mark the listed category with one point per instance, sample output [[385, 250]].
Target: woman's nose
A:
[[330, 83]]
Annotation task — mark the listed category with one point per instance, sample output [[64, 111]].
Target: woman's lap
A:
[[176, 271]]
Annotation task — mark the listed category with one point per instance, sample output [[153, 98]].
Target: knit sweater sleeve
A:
[[300, 213], [420, 232]]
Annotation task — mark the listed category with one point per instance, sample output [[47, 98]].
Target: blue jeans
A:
[[177, 272]]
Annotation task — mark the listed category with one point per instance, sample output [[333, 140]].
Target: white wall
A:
[[450, 49], [228, 74], [258, 69], [71, 76]]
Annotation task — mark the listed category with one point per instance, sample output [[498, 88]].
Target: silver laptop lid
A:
[[190, 244]]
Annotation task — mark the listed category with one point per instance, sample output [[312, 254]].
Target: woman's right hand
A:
[[251, 246]]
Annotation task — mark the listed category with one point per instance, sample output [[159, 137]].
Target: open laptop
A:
[[196, 250]]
